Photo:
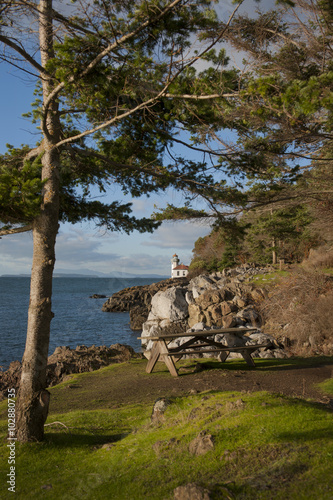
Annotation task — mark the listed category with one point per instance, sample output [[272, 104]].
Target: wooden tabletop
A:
[[200, 333]]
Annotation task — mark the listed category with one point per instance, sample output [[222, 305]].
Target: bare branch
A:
[[200, 97], [16, 230], [9, 43]]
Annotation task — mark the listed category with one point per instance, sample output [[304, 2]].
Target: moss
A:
[[265, 446]]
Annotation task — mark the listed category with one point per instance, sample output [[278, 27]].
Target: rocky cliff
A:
[[137, 300], [219, 300]]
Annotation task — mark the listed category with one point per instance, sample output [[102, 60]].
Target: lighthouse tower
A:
[[174, 263], [178, 271]]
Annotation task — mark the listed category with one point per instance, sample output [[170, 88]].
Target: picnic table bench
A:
[[198, 342]]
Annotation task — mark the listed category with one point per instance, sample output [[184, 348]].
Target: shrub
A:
[[302, 306], [319, 258]]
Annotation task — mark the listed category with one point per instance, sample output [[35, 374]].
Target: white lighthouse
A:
[[178, 270]]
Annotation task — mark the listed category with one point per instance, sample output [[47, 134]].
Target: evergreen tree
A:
[[116, 85]]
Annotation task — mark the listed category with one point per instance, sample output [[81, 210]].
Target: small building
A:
[[178, 270]]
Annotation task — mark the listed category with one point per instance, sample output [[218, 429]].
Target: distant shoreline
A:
[[62, 275]]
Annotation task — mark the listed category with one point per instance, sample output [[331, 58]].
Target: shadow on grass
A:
[[261, 364], [305, 436], [76, 440]]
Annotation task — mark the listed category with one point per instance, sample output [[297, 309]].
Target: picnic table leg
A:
[[160, 351], [154, 355], [248, 358], [223, 356], [168, 360]]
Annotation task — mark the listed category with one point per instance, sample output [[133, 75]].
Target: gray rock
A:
[[159, 409], [261, 338], [169, 304], [202, 444], [198, 327], [249, 314], [189, 297]]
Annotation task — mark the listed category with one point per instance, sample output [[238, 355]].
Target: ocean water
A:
[[78, 319]]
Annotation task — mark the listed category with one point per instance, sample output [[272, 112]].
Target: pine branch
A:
[[10, 43], [102, 54], [145, 104], [16, 230]]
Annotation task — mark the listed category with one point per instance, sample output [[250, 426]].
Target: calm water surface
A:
[[78, 319]]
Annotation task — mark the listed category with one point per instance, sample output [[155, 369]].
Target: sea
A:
[[78, 319]]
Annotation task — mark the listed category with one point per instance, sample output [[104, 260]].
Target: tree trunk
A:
[[33, 398], [274, 257]]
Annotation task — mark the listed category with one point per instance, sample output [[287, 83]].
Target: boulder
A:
[[149, 329], [209, 297], [228, 321], [230, 339], [250, 315], [202, 444], [169, 304], [137, 300], [215, 315], [159, 408], [195, 315], [258, 294], [199, 284], [228, 307]]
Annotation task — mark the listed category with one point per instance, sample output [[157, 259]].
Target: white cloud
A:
[[141, 205], [78, 249], [177, 235], [16, 253]]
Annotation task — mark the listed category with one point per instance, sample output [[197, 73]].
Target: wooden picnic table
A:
[[199, 342]]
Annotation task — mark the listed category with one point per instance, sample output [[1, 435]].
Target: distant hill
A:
[[92, 274]]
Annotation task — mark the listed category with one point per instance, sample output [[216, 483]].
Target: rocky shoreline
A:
[[206, 302], [218, 300], [66, 361], [137, 300]]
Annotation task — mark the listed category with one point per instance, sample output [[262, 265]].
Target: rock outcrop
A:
[[220, 300], [137, 300], [65, 361]]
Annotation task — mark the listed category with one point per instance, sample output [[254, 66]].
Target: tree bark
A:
[[33, 398], [274, 257]]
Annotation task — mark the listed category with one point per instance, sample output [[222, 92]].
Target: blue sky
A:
[[81, 246]]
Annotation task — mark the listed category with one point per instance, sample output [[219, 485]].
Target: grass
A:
[[268, 278], [274, 278], [327, 386], [265, 446]]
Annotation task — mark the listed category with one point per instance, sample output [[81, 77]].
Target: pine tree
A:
[[116, 85]]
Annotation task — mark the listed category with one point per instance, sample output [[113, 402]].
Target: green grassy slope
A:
[[266, 446]]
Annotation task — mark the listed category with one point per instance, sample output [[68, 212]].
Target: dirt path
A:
[[128, 383]]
